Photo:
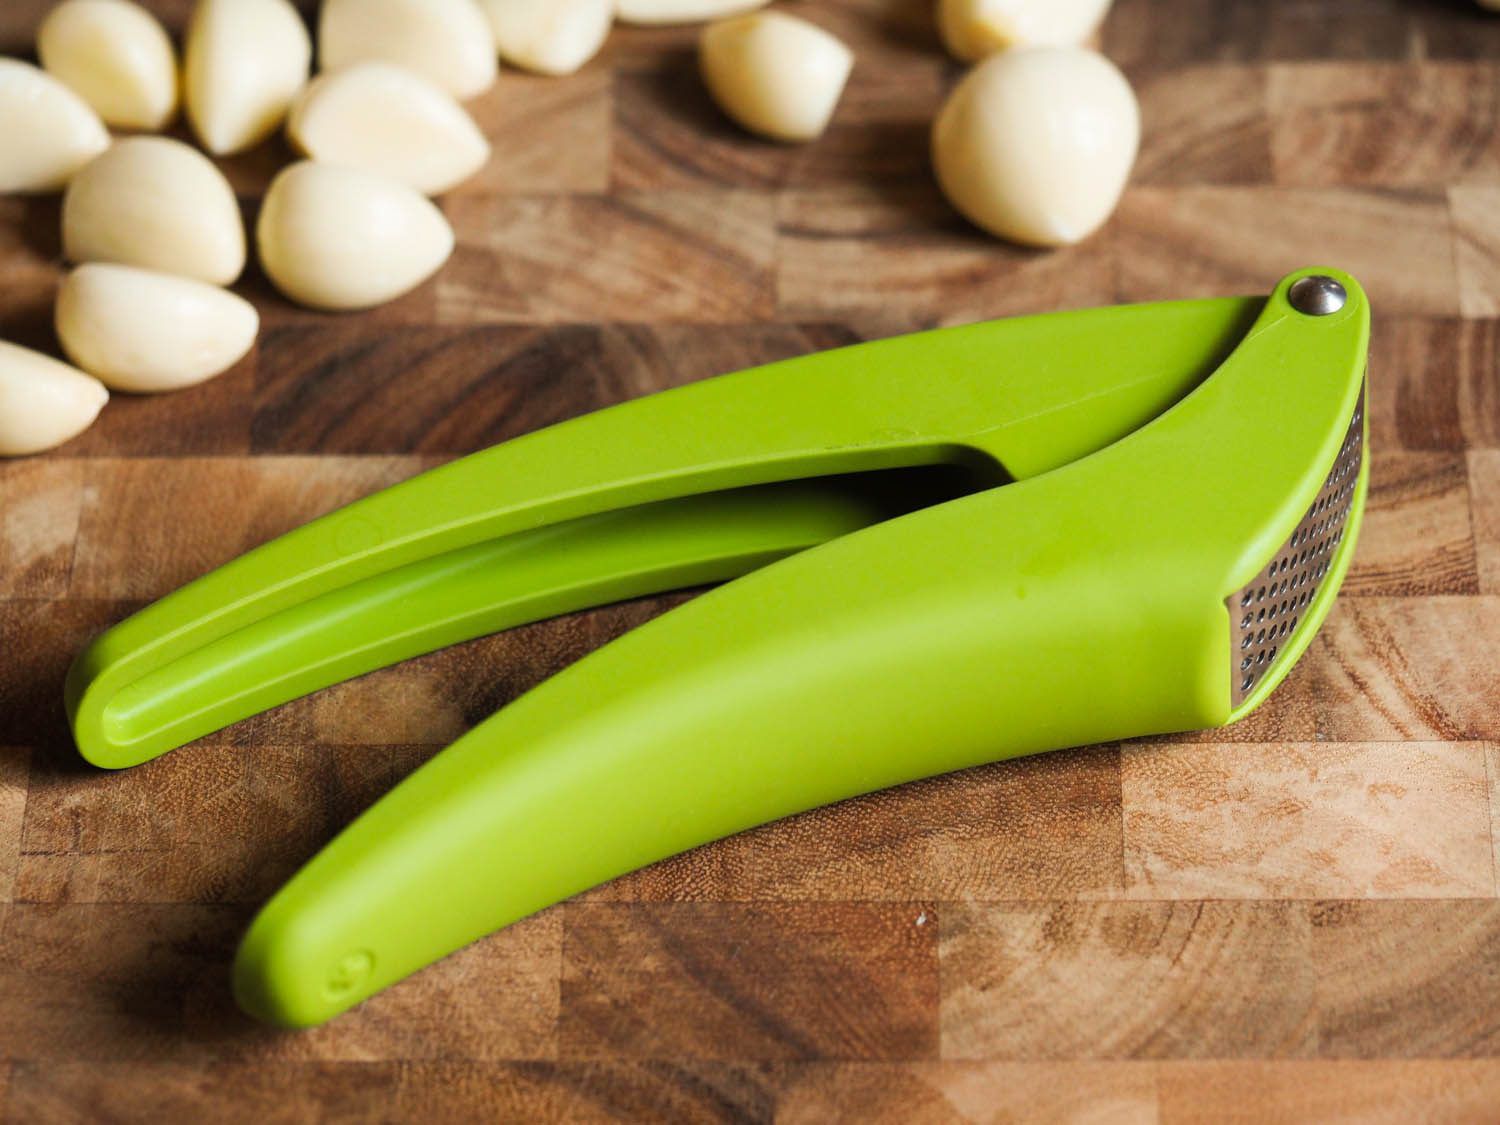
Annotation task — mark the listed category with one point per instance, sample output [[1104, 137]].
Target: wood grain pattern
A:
[[1476, 249], [1484, 496], [1492, 771], [662, 256], [1295, 918], [1128, 980], [1388, 669], [143, 982], [38, 526], [1418, 536], [133, 542], [861, 251], [15, 772], [750, 981], [530, 114], [1435, 386], [958, 1091], [1192, 239], [1205, 125], [1390, 125], [1240, 1093], [1349, 820], [1408, 979]]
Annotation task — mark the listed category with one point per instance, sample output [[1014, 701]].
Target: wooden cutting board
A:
[[1292, 919]]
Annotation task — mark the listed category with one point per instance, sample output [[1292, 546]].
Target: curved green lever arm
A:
[[525, 530], [496, 585], [1083, 604]]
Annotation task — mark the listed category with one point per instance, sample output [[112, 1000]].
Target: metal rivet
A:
[[1317, 295]]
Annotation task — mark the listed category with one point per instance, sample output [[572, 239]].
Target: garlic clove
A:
[[448, 42], [652, 13], [553, 38], [777, 75], [116, 56], [390, 121], [43, 402], [975, 29], [245, 62], [47, 132], [1036, 144], [332, 237], [158, 204], [138, 330]]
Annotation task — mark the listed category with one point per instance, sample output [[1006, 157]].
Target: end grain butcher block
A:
[[1295, 918]]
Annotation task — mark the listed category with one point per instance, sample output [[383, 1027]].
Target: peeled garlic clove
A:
[[390, 121], [775, 74], [552, 38], [332, 237], [47, 132], [155, 203], [43, 402], [138, 330], [245, 62], [658, 12], [116, 56], [1036, 144], [975, 29], [448, 42]]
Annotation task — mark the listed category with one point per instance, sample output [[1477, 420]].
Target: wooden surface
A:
[[1296, 918]]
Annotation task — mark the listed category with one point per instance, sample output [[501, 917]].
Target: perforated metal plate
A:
[[1265, 614]]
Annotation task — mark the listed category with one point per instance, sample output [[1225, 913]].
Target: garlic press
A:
[[948, 548]]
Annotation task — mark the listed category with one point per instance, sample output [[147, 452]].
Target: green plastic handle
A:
[[1081, 604], [632, 500], [496, 585]]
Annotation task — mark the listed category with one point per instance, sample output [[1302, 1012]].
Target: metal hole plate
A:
[[1264, 615]]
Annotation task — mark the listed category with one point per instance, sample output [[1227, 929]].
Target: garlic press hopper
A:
[[945, 549]]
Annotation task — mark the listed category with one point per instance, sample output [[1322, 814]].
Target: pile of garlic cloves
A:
[[1035, 144], [152, 229]]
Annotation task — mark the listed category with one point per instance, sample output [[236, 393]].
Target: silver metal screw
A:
[[1317, 295]]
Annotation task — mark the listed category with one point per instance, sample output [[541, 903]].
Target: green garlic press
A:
[[947, 548]]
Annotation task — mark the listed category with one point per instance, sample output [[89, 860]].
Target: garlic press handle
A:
[[1085, 604], [573, 515], [908, 649]]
